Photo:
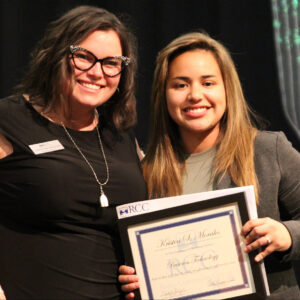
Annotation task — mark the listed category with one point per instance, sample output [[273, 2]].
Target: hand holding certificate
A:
[[192, 250]]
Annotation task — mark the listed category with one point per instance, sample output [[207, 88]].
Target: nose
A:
[[96, 70], [196, 93]]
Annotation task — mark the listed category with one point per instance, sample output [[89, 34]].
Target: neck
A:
[[81, 122], [199, 142]]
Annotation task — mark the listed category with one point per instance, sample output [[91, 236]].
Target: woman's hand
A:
[[268, 233], [129, 281]]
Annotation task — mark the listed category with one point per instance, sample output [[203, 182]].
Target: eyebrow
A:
[[185, 78]]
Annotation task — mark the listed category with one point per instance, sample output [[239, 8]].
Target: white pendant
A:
[[103, 200]]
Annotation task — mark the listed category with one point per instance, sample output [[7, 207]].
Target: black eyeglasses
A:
[[84, 60]]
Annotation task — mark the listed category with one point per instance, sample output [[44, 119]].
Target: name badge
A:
[[46, 147]]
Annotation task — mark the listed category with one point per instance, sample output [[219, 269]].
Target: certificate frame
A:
[[137, 233]]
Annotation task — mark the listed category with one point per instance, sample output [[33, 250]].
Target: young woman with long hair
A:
[[202, 138]]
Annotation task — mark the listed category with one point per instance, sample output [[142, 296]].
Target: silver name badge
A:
[[46, 147]]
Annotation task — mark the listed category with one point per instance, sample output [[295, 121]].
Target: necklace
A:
[[102, 199]]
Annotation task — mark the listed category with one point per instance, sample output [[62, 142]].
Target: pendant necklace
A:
[[102, 199]]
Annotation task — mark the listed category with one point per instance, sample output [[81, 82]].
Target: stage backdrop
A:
[[244, 26]]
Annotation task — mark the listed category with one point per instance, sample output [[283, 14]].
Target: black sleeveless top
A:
[[56, 241]]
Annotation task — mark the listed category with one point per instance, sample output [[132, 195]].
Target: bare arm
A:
[[6, 147], [2, 296]]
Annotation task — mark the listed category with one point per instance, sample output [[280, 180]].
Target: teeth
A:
[[90, 85], [199, 109]]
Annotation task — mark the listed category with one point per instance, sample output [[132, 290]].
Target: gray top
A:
[[198, 167]]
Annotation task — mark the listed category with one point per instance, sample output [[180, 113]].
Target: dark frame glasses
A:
[[84, 60]]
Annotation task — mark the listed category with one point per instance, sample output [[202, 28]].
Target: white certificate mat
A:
[[192, 251]]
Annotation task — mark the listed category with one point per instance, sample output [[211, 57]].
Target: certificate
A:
[[193, 251]]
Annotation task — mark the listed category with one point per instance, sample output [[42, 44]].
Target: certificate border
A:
[[238, 198]]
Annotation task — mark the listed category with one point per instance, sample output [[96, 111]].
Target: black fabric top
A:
[[56, 241]]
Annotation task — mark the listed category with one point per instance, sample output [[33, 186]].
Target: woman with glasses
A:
[[67, 159], [202, 138]]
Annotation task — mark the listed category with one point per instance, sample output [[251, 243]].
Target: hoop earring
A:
[[118, 90]]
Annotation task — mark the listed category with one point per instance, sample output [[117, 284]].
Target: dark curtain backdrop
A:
[[244, 26]]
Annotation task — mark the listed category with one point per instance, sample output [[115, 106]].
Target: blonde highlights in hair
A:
[[164, 163]]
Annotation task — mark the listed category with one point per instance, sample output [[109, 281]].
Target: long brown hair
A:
[[164, 163], [50, 72]]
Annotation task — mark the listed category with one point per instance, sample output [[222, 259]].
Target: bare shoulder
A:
[[2, 296], [6, 147]]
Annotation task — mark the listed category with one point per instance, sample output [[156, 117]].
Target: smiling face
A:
[[196, 99], [93, 88]]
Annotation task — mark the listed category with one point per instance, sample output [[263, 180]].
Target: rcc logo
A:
[[134, 208]]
